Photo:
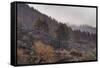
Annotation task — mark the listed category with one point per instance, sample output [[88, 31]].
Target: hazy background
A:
[[69, 15]]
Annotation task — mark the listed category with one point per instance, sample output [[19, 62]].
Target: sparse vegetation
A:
[[22, 56]]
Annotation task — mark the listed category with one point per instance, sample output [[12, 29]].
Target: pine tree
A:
[[62, 32], [41, 25]]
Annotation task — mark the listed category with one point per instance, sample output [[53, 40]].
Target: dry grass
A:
[[44, 52], [75, 53], [90, 55], [22, 56]]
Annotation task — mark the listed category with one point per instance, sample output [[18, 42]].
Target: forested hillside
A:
[[42, 39]]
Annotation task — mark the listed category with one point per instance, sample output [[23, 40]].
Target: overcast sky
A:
[[68, 14]]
